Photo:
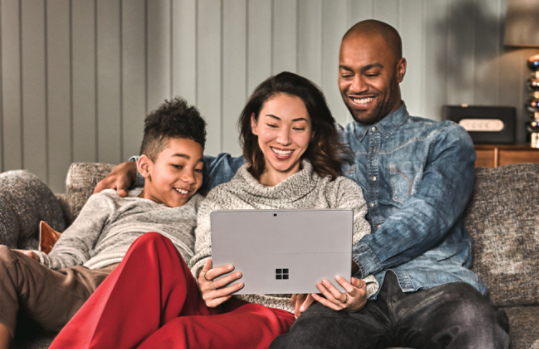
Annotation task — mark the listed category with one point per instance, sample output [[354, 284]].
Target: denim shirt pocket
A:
[[404, 178]]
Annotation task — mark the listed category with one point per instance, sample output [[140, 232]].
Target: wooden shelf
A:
[[494, 155]]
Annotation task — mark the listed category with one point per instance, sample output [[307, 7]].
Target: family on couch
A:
[[411, 252]]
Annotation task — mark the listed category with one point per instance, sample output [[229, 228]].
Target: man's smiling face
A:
[[369, 75]]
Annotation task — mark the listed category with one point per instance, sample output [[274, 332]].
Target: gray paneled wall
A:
[[78, 76]]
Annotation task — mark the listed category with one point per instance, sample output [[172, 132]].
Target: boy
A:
[[51, 288]]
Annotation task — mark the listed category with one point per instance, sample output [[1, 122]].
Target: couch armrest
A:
[[81, 180]]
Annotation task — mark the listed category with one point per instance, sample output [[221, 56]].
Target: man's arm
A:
[[217, 169], [428, 215]]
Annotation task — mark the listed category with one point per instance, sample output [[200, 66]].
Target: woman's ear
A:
[[253, 125], [144, 165]]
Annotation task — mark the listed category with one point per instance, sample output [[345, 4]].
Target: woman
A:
[[293, 161]]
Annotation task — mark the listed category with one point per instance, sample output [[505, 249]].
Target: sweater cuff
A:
[[43, 258], [366, 260]]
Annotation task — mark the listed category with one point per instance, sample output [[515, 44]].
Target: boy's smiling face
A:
[[175, 175]]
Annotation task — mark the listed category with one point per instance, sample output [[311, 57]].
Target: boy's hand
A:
[[120, 178], [29, 253], [212, 295]]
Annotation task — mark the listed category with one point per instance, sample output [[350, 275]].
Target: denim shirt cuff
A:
[[365, 259], [139, 180]]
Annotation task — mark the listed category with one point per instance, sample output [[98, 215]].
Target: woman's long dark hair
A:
[[325, 151]]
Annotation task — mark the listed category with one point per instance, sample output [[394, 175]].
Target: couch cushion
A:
[[25, 201], [503, 219], [81, 179], [523, 328]]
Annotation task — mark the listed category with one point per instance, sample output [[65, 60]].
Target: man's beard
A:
[[381, 110]]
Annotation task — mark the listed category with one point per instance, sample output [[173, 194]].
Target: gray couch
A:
[[502, 216]]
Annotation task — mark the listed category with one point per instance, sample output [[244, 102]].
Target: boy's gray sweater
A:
[[108, 224], [305, 189]]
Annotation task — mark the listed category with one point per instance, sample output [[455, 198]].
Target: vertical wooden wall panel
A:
[[133, 75], [412, 30], [487, 48], [234, 88], [109, 119], [285, 15], [11, 85], [159, 53], [461, 36], [59, 92], [360, 10], [387, 11], [84, 89], [259, 42], [310, 39], [435, 68], [209, 74], [34, 88], [333, 30], [184, 49]]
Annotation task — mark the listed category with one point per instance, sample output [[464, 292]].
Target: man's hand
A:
[[301, 302], [29, 253], [353, 300], [120, 178], [212, 294]]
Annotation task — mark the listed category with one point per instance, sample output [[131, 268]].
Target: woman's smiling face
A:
[[284, 132]]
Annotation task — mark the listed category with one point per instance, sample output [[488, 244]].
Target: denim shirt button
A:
[[374, 178], [378, 226], [373, 129], [371, 205]]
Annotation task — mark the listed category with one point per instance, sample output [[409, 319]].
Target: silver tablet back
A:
[[283, 251]]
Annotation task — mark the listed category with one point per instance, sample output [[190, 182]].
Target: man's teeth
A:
[[361, 100], [181, 191], [282, 152]]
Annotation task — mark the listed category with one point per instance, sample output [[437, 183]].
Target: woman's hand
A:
[[353, 300], [301, 302], [212, 295]]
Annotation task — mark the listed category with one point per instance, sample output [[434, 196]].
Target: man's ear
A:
[[401, 69], [144, 165], [253, 125]]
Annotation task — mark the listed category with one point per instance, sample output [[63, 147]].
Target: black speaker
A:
[[484, 124]]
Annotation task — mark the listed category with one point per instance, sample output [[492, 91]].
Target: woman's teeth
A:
[[362, 100], [282, 152]]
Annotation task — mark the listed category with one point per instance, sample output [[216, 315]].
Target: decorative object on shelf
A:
[[522, 30], [485, 124]]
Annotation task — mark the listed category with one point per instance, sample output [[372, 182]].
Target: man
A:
[[417, 176]]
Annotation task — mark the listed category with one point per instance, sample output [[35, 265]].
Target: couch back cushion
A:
[[503, 219], [81, 180]]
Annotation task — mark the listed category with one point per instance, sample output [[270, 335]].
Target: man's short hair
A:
[[373, 27], [173, 119]]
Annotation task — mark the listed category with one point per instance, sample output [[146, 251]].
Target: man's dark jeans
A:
[[453, 315]]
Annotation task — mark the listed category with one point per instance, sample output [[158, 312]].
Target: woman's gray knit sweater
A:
[[305, 189], [108, 224]]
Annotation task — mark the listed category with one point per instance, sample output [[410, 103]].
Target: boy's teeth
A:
[[181, 191], [361, 100], [282, 152]]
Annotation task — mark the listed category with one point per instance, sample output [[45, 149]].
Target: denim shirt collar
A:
[[387, 126]]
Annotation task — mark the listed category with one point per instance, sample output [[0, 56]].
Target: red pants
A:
[[151, 300]]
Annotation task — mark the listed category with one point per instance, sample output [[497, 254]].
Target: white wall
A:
[[78, 76]]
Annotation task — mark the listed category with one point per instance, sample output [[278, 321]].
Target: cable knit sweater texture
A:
[[305, 189], [108, 224]]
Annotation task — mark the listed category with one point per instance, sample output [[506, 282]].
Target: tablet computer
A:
[[283, 251]]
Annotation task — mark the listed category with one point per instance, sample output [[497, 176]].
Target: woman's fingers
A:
[[352, 300], [214, 291]]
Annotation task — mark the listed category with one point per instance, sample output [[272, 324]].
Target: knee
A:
[[6, 255], [152, 239]]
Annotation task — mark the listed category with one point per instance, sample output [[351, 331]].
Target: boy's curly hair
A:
[[173, 119]]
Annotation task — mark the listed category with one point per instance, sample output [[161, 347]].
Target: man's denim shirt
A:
[[417, 176]]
